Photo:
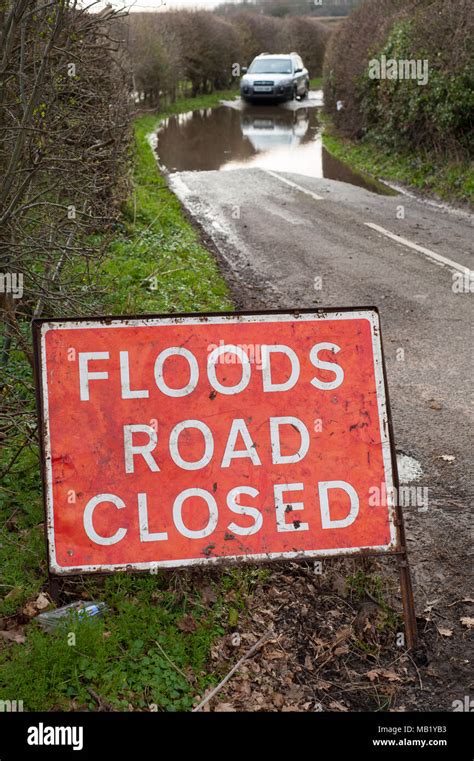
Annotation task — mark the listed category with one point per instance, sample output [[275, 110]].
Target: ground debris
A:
[[332, 650]]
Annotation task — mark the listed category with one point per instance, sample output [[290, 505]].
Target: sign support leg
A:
[[53, 588], [408, 603]]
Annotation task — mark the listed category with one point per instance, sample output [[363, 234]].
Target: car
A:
[[276, 77]]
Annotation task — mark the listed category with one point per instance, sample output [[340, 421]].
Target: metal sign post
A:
[[181, 440]]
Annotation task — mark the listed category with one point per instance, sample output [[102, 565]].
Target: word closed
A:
[[193, 439]]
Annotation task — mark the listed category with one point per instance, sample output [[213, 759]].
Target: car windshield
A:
[[271, 66]]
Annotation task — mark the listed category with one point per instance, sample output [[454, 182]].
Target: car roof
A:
[[275, 55]]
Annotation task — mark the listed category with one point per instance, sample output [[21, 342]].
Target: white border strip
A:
[[117, 323]]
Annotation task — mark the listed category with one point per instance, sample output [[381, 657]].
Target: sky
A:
[[153, 5]]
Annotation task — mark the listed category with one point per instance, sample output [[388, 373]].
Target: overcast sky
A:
[[153, 5]]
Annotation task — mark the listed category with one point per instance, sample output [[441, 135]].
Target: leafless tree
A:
[[64, 127]]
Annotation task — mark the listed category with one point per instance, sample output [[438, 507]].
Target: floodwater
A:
[[284, 138]]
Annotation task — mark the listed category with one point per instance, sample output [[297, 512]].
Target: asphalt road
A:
[[294, 241]]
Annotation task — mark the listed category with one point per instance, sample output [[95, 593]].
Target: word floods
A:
[[171, 441]]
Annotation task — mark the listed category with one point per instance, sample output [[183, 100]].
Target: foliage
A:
[[400, 113], [202, 51], [449, 179]]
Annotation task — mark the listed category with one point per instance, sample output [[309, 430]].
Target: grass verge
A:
[[151, 649], [449, 180]]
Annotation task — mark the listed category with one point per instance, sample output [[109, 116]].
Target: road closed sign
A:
[[197, 439]]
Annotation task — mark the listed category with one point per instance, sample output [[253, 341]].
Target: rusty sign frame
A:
[[397, 546]]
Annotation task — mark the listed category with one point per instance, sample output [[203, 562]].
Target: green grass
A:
[[449, 180], [118, 658], [316, 83], [156, 262]]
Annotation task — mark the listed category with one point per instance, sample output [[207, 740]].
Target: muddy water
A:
[[285, 138]]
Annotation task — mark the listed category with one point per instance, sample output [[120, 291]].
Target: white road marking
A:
[[294, 185], [441, 260]]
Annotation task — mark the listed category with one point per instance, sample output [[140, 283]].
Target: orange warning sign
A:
[[179, 440]]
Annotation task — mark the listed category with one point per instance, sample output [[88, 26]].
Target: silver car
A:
[[275, 77]]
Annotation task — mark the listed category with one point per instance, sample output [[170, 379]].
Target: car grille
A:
[[264, 84]]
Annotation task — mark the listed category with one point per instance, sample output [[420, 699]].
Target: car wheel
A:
[[306, 92], [295, 92]]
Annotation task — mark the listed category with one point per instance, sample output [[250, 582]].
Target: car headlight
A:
[[285, 82]]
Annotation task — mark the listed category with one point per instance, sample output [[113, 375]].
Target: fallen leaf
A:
[[339, 584], [445, 632], [187, 624], [322, 685], [13, 635], [235, 639], [385, 674], [278, 699], [209, 595], [372, 675], [275, 655], [342, 635], [447, 457], [436, 406], [224, 708], [42, 601], [391, 676], [30, 609], [467, 621], [336, 706]]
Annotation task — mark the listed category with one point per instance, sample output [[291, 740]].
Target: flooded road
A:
[[284, 138], [262, 192]]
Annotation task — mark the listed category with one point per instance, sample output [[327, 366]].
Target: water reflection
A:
[[285, 139], [269, 128]]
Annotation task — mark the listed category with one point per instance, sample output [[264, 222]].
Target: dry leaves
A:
[[313, 663], [209, 595], [187, 624], [33, 607], [444, 631], [467, 622], [374, 674], [335, 705], [224, 708], [13, 635]]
